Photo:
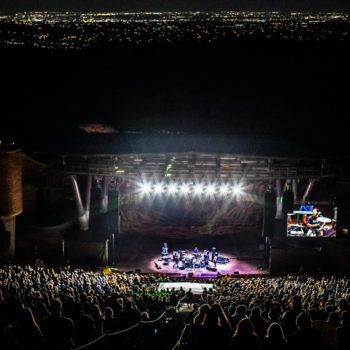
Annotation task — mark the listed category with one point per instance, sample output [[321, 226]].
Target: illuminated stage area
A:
[[232, 266], [142, 252]]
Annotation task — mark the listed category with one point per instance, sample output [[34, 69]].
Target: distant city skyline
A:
[[171, 5]]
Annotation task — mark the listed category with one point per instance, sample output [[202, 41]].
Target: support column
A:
[[278, 200], [82, 218], [295, 189], [286, 185], [88, 197], [106, 252], [118, 211], [309, 187], [104, 195]]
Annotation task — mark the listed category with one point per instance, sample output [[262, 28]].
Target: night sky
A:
[[272, 91], [143, 5]]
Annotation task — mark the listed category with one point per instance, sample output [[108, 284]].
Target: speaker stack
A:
[[288, 201]]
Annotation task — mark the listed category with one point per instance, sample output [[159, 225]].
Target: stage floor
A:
[[234, 265], [141, 252]]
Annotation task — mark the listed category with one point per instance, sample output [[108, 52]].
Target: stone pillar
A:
[[11, 202], [308, 190], [82, 218]]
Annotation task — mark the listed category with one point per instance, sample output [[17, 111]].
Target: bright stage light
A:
[[158, 188], [210, 190], [184, 189], [223, 190], [172, 188], [237, 190], [198, 189], [146, 188]]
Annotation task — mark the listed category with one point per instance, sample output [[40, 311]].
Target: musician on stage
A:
[[195, 253], [176, 260], [313, 224], [215, 260]]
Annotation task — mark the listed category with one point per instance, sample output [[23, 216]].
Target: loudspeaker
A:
[[269, 212], [288, 201]]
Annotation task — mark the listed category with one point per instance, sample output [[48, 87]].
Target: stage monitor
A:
[[311, 221]]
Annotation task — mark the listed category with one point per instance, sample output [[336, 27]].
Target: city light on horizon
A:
[[80, 30]]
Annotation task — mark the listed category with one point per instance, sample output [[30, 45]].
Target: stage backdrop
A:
[[181, 216]]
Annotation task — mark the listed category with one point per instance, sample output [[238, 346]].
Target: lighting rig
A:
[[195, 189]]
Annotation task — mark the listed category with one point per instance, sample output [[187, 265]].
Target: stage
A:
[[136, 252]]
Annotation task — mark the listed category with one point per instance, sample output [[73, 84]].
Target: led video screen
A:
[[312, 221]]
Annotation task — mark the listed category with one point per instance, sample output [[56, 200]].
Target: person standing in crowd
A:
[[84, 325], [210, 332], [193, 314], [27, 333], [131, 314], [241, 312], [58, 330], [344, 331], [274, 339], [327, 332], [305, 337], [244, 336], [189, 297], [259, 323], [110, 324], [98, 319], [289, 318]]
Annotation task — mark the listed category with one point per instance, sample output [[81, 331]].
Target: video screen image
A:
[[312, 221]]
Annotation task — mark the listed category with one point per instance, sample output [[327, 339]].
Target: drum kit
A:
[[184, 259], [324, 220], [297, 230]]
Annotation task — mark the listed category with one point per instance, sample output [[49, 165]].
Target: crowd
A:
[[49, 309], [288, 312], [63, 309]]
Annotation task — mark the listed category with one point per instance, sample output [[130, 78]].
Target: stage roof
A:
[[79, 143], [184, 156], [191, 165]]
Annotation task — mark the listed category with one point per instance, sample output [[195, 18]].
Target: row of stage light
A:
[[196, 189]]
